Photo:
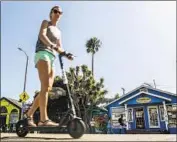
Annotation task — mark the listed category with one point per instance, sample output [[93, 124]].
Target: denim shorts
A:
[[46, 56]]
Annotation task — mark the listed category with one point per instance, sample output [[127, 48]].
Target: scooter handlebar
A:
[[66, 54]]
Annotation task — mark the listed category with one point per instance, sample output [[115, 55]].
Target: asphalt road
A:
[[89, 137]]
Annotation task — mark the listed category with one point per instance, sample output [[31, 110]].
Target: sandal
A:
[[47, 123], [30, 121]]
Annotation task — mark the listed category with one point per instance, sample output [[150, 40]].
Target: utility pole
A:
[[123, 90], [24, 89], [154, 83]]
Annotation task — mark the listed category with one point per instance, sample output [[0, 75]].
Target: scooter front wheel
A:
[[21, 128], [76, 128]]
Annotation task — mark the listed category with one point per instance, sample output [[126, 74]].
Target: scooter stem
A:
[[65, 81]]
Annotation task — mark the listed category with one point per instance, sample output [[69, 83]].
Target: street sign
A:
[[24, 96]]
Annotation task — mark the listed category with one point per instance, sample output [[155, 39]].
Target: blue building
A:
[[145, 108]]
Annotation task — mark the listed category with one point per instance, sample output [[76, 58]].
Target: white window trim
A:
[[148, 107], [132, 114], [160, 113], [118, 107]]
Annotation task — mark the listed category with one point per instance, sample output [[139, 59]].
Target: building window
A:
[[14, 116], [116, 113], [153, 117], [3, 109], [174, 107], [130, 114], [161, 109], [172, 111]]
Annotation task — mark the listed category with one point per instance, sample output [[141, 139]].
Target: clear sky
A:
[[139, 42]]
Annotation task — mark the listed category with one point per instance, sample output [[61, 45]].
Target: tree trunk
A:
[[92, 64], [89, 117], [78, 109], [85, 120]]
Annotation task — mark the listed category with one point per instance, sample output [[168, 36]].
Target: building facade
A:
[[145, 108], [10, 111]]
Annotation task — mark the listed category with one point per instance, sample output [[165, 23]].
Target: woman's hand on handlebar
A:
[[70, 56], [62, 52], [67, 55]]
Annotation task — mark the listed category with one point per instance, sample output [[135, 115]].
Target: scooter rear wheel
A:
[[21, 128], [76, 128]]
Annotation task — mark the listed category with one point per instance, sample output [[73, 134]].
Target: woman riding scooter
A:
[[48, 45]]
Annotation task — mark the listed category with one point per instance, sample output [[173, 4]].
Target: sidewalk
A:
[[89, 137]]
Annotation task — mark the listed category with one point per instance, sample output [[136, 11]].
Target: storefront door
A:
[[139, 118]]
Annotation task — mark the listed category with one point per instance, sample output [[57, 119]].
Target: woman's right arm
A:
[[42, 34]]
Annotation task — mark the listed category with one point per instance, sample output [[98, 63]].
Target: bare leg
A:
[[44, 69], [31, 111], [51, 80], [44, 72], [52, 77], [34, 106]]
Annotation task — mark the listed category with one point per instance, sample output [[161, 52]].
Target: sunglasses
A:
[[56, 11]]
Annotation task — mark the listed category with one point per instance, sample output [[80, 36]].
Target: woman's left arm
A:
[[59, 46]]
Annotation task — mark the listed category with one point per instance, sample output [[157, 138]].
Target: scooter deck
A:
[[45, 128]]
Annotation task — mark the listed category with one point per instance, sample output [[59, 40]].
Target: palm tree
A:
[[93, 46]]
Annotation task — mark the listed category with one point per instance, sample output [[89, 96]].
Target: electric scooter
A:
[[75, 126]]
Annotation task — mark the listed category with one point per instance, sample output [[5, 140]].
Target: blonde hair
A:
[[50, 15]]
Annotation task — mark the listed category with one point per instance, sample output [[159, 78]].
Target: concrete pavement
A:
[[89, 137]]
